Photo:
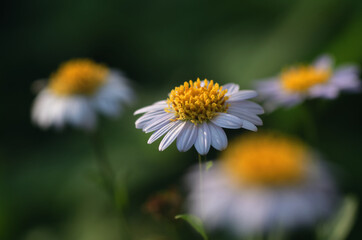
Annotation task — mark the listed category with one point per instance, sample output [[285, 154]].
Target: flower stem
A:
[[201, 186], [310, 127], [276, 234], [109, 182], [103, 164], [255, 236]]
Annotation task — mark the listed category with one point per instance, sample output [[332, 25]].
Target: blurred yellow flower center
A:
[[78, 77], [197, 101], [266, 160], [301, 78]]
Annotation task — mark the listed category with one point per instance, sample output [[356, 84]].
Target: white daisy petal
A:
[[231, 87], [171, 135], [159, 133], [249, 126], [40, 109], [108, 107], [109, 98], [140, 123], [346, 78], [157, 123], [245, 115], [203, 140], [328, 92], [187, 137], [154, 107], [225, 120], [242, 95], [118, 87], [59, 109], [324, 62], [153, 128], [218, 137], [81, 114], [247, 106]]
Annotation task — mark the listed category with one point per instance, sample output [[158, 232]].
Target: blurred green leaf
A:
[[339, 227], [195, 223], [209, 165], [121, 196]]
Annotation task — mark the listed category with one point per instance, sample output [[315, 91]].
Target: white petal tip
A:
[[222, 149]]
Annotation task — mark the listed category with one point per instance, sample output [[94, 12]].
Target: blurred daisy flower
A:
[[77, 91], [264, 181], [318, 80], [195, 114]]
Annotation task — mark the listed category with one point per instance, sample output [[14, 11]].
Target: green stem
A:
[[276, 234], [109, 182], [201, 186], [310, 127], [255, 236], [103, 164]]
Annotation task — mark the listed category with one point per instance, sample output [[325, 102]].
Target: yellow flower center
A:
[[78, 77], [301, 78], [197, 101], [266, 160]]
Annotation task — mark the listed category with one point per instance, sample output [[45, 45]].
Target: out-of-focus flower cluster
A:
[[77, 91], [317, 80], [264, 181]]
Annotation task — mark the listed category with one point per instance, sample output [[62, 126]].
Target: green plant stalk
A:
[[201, 183], [109, 182]]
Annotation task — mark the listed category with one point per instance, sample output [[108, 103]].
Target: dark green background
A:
[[48, 180]]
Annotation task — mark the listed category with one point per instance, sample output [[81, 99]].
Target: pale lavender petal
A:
[[268, 88], [247, 106], [242, 95], [156, 123], [324, 62], [159, 133], [82, 114], [109, 98], [225, 120], [203, 140], [218, 137], [231, 87], [154, 107], [324, 91], [346, 78], [245, 115], [249, 126], [143, 120], [171, 135], [187, 137]]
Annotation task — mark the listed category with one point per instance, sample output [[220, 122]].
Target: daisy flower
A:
[[195, 113], [264, 181], [318, 80], [77, 91]]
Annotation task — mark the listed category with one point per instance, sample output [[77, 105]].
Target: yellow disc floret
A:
[[78, 77], [197, 101], [301, 78], [266, 159]]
